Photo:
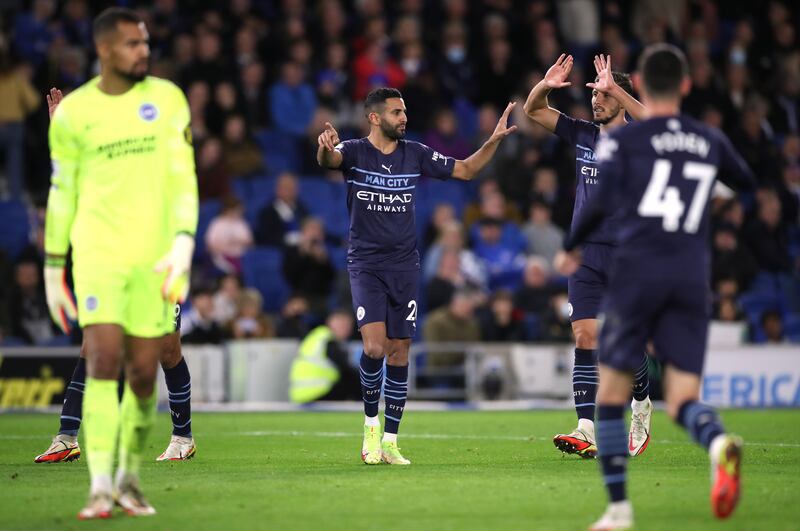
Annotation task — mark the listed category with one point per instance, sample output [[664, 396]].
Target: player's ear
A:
[[686, 86]]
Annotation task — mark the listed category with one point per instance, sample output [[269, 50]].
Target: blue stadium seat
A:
[[279, 149], [261, 192], [261, 269], [754, 303], [14, 228], [791, 327]]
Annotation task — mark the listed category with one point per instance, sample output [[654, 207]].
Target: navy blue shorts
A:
[[670, 311], [587, 286], [386, 297]]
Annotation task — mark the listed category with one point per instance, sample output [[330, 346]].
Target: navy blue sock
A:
[[371, 371], [72, 409], [641, 380], [584, 382], [701, 421], [179, 385], [612, 449], [395, 393]]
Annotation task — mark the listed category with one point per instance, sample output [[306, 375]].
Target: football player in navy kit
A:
[[611, 99], [382, 171], [657, 177]]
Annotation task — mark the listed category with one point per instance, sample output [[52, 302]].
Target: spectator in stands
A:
[[240, 154], [452, 238], [19, 99], [492, 204], [533, 297], [34, 32], [29, 317], [543, 236], [198, 95], [767, 235], [455, 70], [374, 67], [444, 137], [209, 65], [295, 318], [557, 327], [254, 96], [502, 258], [279, 221], [307, 267], [198, 325], [455, 322], [228, 236], [726, 310], [226, 299], [251, 322], [499, 321], [730, 259], [322, 369], [224, 104], [544, 187], [332, 82], [213, 179], [499, 74], [443, 213], [292, 101], [772, 324], [448, 278]]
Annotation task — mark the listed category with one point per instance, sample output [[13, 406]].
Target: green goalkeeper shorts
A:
[[129, 296]]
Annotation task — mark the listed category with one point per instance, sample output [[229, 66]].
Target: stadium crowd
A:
[[263, 76]]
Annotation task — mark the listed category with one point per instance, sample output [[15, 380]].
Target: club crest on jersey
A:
[[91, 303], [148, 112]]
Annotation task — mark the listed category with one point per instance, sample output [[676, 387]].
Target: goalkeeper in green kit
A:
[[124, 196]]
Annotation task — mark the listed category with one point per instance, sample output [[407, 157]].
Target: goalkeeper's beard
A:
[[131, 77]]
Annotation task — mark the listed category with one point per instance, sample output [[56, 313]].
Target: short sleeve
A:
[[347, 149], [434, 164], [572, 130]]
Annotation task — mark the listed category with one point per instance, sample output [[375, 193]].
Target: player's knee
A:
[[374, 349], [142, 378], [171, 353], [397, 355], [142, 388], [585, 338], [104, 366]]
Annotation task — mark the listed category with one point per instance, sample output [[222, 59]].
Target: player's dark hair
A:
[[378, 97], [107, 21], [663, 67]]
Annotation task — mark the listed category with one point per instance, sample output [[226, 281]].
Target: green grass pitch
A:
[[470, 471]]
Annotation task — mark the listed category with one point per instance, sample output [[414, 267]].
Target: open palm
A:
[[502, 130], [605, 78], [556, 76]]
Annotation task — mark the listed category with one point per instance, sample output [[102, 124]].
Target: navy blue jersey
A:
[[381, 192], [657, 176], [584, 136]]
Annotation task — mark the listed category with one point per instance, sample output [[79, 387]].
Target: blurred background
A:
[[262, 77]]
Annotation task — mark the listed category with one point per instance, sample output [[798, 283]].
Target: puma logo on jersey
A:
[[387, 168]]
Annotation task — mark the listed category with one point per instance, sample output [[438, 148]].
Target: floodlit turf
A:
[[471, 470]]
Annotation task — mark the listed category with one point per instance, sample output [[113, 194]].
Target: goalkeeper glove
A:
[[59, 299], [177, 263]]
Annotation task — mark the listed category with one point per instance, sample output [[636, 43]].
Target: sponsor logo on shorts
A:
[[91, 303], [360, 312], [148, 112]]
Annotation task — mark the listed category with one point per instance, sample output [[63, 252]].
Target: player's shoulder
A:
[[579, 123], [350, 144], [163, 86]]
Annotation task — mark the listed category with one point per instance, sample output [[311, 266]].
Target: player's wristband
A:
[[55, 260]]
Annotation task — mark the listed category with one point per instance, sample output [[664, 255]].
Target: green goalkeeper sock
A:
[[101, 414], [138, 416]]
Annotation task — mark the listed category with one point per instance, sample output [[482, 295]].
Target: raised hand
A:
[[556, 76], [502, 130], [605, 79], [53, 99], [329, 137]]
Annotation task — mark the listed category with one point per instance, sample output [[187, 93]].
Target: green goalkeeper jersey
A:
[[123, 182]]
